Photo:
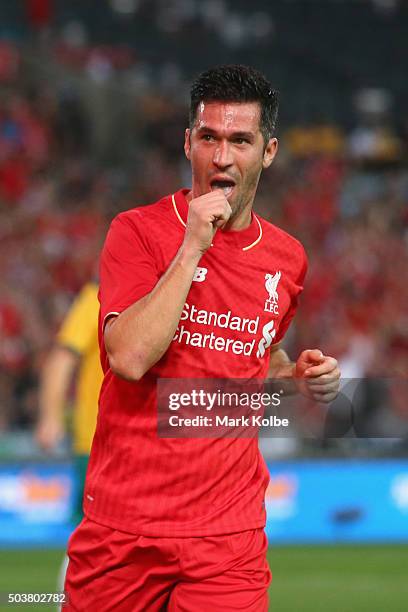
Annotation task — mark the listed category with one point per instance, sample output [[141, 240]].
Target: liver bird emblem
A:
[[271, 283]]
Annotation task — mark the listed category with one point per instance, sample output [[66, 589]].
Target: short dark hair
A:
[[236, 83]]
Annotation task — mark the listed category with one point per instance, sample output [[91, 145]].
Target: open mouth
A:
[[226, 185]]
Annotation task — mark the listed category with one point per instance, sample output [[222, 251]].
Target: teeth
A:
[[227, 189]]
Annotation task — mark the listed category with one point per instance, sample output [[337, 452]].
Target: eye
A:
[[241, 141], [207, 137]]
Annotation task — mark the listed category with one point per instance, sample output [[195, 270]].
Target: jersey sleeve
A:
[[80, 326], [128, 269], [287, 319]]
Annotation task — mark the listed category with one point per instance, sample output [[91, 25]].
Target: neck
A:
[[242, 221]]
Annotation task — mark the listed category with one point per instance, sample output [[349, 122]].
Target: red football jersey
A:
[[242, 298]]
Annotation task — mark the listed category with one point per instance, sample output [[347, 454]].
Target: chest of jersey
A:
[[232, 315]]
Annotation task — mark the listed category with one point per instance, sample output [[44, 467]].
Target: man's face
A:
[[227, 150]]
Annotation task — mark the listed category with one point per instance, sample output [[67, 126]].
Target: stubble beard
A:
[[237, 208], [244, 200]]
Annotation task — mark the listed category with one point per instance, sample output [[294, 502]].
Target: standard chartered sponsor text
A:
[[223, 320]]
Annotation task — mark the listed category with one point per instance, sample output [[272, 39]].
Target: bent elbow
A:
[[127, 368]]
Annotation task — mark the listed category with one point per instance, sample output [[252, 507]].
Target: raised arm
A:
[[140, 335]]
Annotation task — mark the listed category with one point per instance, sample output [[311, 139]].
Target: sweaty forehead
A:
[[234, 116]]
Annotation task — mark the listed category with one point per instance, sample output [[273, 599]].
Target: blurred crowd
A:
[[343, 193]]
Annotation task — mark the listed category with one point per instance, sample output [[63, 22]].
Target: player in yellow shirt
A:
[[76, 351]]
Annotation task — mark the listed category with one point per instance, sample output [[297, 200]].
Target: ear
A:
[[187, 145], [270, 151]]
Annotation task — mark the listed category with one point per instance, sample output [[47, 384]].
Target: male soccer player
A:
[[177, 524]]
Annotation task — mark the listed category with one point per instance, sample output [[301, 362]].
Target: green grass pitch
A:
[[305, 579]]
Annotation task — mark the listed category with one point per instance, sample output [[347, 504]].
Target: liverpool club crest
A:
[[271, 284]]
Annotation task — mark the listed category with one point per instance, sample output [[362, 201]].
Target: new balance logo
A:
[[200, 274]]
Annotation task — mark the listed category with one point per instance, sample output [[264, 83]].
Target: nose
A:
[[222, 155]]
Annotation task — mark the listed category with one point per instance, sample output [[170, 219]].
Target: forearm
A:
[[55, 379], [54, 384], [137, 338]]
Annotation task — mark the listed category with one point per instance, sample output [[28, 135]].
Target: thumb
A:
[[308, 358], [313, 356]]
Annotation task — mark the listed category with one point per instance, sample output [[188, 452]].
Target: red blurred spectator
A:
[[40, 13], [9, 61]]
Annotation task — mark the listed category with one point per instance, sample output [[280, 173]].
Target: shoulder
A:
[[142, 225], [81, 320], [89, 292], [87, 301], [143, 215], [281, 239]]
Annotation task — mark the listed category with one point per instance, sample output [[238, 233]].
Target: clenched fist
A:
[[317, 375], [206, 214]]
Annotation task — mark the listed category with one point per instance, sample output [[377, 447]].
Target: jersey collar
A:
[[244, 239]]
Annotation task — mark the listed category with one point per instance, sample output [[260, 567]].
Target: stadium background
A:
[[93, 105]]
